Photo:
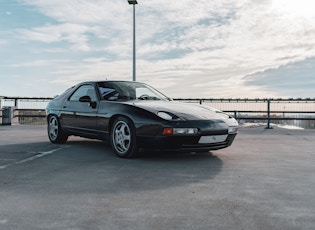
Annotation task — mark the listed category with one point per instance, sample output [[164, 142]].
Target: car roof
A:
[[98, 81]]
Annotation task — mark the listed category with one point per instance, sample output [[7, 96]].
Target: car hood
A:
[[184, 111]]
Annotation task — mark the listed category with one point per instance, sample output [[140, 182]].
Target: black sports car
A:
[[134, 116]]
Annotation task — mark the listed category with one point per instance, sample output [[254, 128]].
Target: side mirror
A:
[[85, 99], [92, 104]]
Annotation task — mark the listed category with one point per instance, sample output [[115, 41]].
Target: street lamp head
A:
[[132, 2]]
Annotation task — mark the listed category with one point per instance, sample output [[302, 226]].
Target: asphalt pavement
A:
[[265, 180]]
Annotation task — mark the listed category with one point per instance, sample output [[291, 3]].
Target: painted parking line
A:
[[38, 155]]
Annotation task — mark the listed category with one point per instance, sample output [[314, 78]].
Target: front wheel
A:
[[123, 138], [55, 133]]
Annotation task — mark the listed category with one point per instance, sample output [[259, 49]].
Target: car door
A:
[[79, 112]]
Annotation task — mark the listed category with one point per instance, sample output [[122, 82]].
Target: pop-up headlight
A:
[[167, 115], [232, 129], [164, 115]]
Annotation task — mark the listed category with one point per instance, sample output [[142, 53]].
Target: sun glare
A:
[[296, 8]]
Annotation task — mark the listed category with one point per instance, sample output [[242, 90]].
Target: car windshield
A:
[[123, 91]]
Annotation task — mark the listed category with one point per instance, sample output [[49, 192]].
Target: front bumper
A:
[[182, 143]]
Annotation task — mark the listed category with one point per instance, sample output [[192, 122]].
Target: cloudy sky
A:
[[202, 48]]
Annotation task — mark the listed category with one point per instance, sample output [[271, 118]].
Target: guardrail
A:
[[25, 102], [296, 112], [22, 116]]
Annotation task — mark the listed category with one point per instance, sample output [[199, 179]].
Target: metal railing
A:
[[25, 102], [23, 110], [296, 112]]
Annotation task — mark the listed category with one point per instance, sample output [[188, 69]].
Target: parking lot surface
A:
[[265, 180]]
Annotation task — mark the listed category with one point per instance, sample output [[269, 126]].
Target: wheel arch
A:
[[123, 136], [55, 130], [52, 112], [114, 117]]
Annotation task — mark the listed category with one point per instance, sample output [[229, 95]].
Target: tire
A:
[[55, 133], [123, 138]]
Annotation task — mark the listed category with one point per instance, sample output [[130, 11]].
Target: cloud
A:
[[39, 63], [257, 38], [213, 47], [72, 33], [83, 12], [3, 42], [295, 78]]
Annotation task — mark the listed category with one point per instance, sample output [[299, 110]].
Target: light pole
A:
[[134, 2]]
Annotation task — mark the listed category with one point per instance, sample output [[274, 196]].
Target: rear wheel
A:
[[123, 138], [55, 133]]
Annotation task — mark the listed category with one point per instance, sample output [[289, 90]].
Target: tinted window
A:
[[116, 90], [84, 90], [108, 92]]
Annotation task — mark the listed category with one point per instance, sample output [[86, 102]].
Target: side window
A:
[[84, 90], [108, 93], [144, 91]]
